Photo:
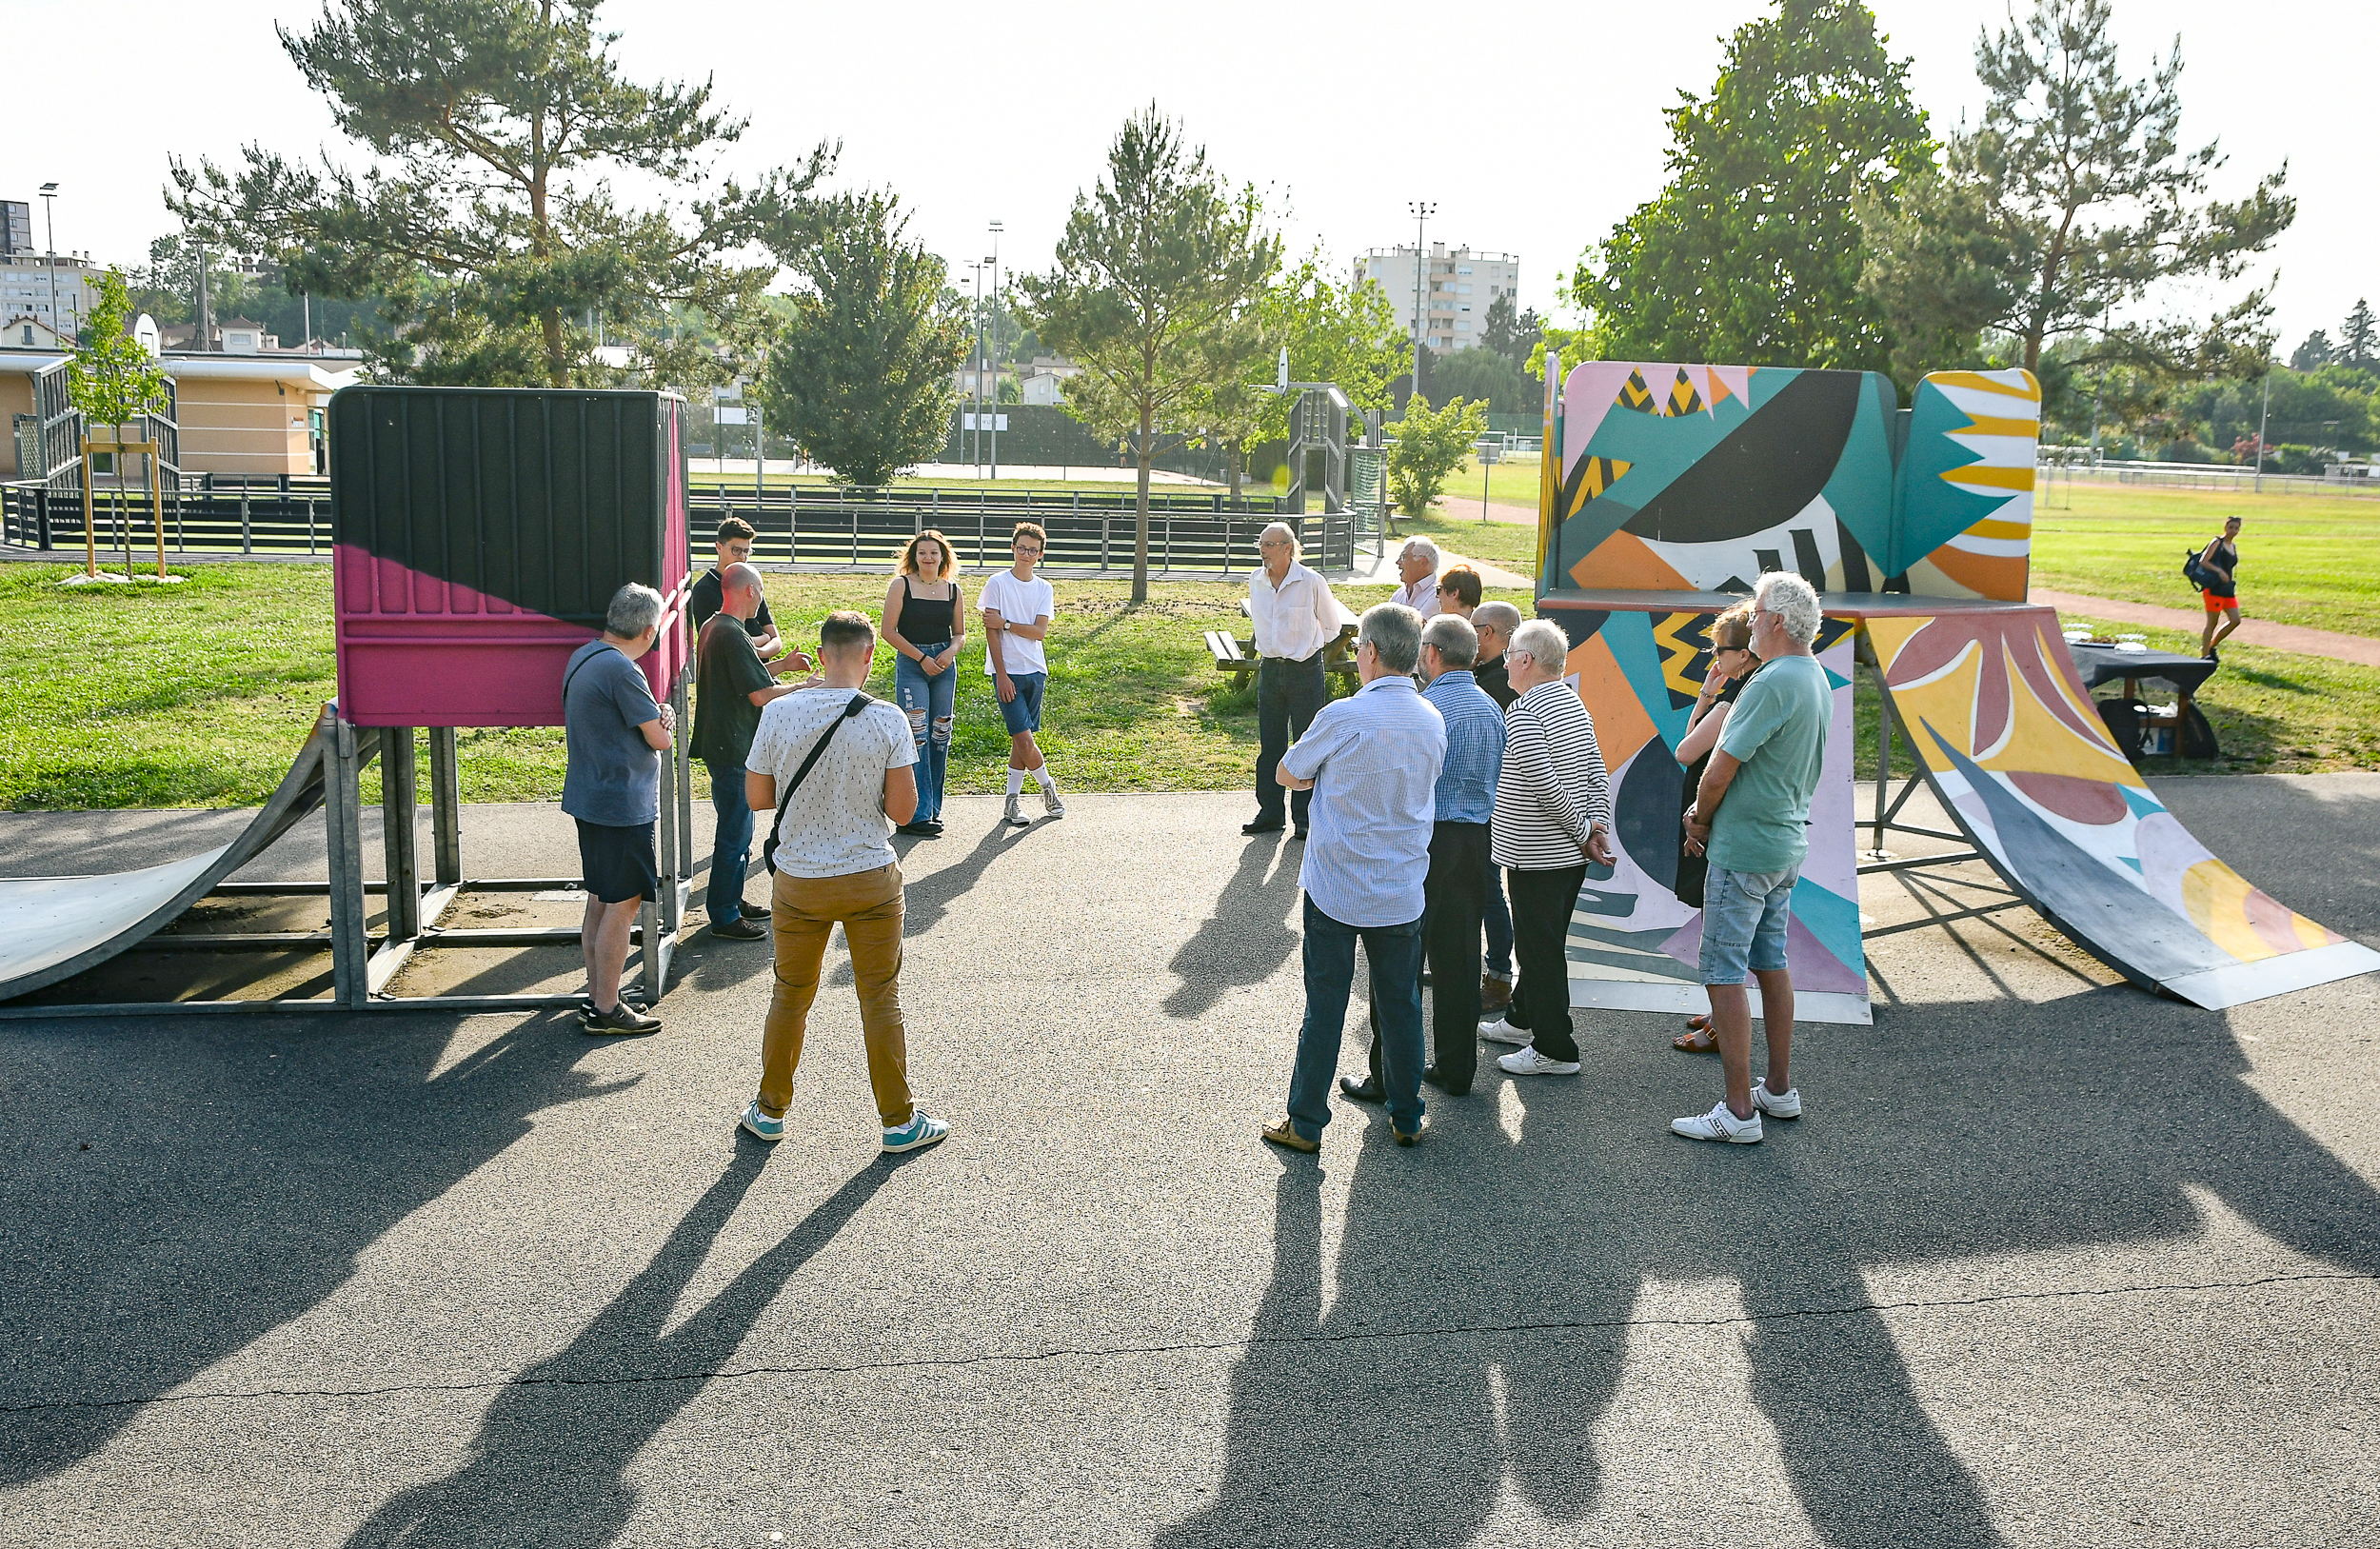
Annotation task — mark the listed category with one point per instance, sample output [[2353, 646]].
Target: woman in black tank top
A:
[[926, 623]]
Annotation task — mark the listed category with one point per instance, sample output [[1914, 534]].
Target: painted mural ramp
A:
[[55, 927], [2013, 747]]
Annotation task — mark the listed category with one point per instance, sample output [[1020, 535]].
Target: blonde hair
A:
[[909, 555], [1732, 630]]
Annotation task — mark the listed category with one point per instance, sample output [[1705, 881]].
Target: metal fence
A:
[[814, 525], [2217, 476]]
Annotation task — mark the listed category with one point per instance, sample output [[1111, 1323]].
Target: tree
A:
[[1751, 254], [488, 222], [1154, 293], [2315, 351], [861, 377], [2359, 340], [1511, 334], [2071, 200], [1486, 378], [112, 380], [1432, 447]]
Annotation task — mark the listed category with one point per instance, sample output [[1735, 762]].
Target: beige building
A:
[[255, 415], [1457, 287]]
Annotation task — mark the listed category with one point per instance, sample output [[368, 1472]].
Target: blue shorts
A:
[[1744, 914], [616, 862], [1022, 713]]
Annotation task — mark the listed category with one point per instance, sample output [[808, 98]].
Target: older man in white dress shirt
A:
[[1417, 567], [1296, 619], [1376, 759]]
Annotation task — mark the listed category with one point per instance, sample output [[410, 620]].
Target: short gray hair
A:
[[1395, 632], [1501, 617], [1794, 602], [1296, 549], [1543, 642], [633, 610], [1456, 642], [1419, 545]]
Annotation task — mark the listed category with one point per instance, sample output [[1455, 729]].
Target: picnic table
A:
[[1238, 658], [2138, 726]]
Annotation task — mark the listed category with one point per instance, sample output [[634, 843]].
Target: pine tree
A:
[[2358, 337]]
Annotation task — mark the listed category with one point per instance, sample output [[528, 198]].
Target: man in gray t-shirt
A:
[[834, 866], [612, 788]]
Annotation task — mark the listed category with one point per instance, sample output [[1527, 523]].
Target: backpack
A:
[[2193, 570]]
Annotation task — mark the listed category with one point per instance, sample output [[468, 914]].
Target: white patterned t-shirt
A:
[[836, 824]]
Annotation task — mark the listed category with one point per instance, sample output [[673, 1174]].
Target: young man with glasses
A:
[[1017, 606], [1296, 619]]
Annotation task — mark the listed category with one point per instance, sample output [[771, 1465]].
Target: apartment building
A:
[[1456, 288]]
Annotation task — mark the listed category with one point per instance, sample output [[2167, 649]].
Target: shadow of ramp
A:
[[548, 1463], [233, 1175]]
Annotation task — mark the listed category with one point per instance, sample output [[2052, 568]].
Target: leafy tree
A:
[[1485, 377], [112, 382], [1432, 447], [1752, 254], [1154, 294], [861, 376], [488, 220], [2359, 341], [2315, 351], [2071, 200]]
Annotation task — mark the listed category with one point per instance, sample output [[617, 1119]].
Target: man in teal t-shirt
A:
[[1752, 816]]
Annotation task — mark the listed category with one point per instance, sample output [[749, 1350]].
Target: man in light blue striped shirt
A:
[[1372, 761], [1455, 891]]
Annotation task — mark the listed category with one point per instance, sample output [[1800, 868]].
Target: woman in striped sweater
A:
[[1552, 817]]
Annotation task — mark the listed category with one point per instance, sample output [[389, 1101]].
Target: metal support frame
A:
[[1876, 858]]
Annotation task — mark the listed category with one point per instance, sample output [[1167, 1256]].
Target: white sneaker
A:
[[1050, 804], [1776, 1105], [1526, 1060], [1014, 814], [1720, 1124], [1501, 1031]]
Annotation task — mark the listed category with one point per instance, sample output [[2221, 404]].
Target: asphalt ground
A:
[[2049, 1261]]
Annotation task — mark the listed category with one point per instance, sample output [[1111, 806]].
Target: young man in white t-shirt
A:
[[834, 866], [1017, 608]]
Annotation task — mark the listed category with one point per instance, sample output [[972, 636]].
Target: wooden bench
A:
[[1238, 658]]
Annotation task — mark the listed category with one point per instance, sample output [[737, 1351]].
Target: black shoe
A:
[[1263, 825], [622, 1020], [1300, 833], [925, 828], [2210, 656], [1430, 1074], [740, 929], [1366, 1090]]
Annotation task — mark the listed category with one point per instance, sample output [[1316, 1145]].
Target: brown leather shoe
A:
[[1495, 995], [1280, 1134]]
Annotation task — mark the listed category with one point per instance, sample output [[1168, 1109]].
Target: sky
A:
[[1533, 127]]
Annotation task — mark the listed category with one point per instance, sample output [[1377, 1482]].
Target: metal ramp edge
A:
[[55, 927]]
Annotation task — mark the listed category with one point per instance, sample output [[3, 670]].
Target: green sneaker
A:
[[758, 1124], [921, 1130]]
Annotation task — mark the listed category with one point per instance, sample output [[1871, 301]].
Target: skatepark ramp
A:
[[55, 927]]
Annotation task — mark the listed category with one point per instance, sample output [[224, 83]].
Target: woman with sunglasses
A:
[[1732, 662], [1458, 591]]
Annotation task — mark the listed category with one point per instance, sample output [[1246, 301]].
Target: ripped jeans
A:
[[929, 704]]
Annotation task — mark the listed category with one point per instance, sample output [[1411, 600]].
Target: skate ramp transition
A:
[[1670, 488], [55, 927]]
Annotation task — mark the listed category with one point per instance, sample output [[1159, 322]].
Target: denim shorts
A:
[[1022, 713], [1744, 914]]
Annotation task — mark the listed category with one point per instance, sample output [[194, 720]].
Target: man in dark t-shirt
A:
[[734, 546], [730, 684]]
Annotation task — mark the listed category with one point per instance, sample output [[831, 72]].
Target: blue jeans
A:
[[1394, 952], [929, 704], [731, 842], [1744, 918], [1499, 927]]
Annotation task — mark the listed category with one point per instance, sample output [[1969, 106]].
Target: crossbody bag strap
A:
[[570, 677], [859, 703]]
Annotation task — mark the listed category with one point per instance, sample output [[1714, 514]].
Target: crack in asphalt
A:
[[1185, 1348]]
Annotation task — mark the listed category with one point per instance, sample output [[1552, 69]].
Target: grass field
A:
[[199, 695], [2304, 558]]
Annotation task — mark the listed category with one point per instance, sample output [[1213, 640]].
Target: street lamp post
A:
[[994, 262], [49, 219], [2264, 418], [1422, 211]]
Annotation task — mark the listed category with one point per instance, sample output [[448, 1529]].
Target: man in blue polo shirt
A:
[[1372, 761]]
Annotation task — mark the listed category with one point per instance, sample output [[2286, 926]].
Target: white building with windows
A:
[[1456, 288]]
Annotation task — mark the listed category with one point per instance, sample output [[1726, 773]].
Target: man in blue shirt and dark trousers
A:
[[1455, 891], [1372, 761]]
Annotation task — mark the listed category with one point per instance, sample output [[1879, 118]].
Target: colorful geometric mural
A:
[[1992, 703], [1700, 477], [1632, 945]]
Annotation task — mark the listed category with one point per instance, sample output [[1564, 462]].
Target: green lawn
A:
[[199, 695], [2304, 558]]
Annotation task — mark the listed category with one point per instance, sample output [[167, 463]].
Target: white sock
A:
[[1015, 781], [1041, 775]]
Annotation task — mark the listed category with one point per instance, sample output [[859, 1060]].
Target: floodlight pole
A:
[[1422, 211], [50, 218], [994, 262], [2263, 419]]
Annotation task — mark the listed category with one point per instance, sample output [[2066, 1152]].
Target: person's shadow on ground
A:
[[549, 1460], [1248, 936], [1477, 1267]]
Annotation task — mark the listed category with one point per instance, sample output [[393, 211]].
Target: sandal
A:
[[1696, 1038]]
